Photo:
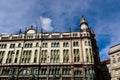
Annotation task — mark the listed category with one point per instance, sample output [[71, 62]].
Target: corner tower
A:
[[83, 24], [90, 54]]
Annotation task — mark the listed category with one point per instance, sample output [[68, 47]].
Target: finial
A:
[[25, 28], [31, 26], [83, 20], [83, 23], [70, 29], [20, 31]]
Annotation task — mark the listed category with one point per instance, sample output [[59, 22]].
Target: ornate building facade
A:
[[114, 53], [50, 55]]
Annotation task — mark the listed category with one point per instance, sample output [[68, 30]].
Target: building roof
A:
[[107, 61], [114, 49], [115, 45]]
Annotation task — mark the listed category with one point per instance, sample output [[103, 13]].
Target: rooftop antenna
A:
[[37, 29], [20, 31], [70, 29]]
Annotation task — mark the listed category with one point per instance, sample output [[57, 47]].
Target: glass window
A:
[[89, 43], [19, 45], [85, 43], [37, 44], [12, 45], [118, 59], [114, 61], [55, 44], [86, 50], [75, 43]]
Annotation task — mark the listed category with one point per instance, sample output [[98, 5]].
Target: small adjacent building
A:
[[114, 53], [106, 69]]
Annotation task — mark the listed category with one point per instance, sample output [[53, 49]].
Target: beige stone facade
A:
[[114, 53], [50, 55]]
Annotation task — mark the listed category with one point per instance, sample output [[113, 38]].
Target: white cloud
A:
[[46, 23], [104, 52], [112, 29], [13, 13]]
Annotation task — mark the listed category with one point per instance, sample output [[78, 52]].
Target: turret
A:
[[83, 24]]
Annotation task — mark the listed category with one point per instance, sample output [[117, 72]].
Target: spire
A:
[[20, 31], [31, 26], [83, 23]]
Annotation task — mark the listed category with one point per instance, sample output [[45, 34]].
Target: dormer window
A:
[[31, 30]]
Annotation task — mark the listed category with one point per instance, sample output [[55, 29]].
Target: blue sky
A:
[[103, 17]]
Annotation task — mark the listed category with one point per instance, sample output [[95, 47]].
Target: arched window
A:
[[36, 52], [75, 43], [89, 43], [55, 44], [118, 59], [37, 44], [35, 59], [58, 45], [77, 51], [19, 45], [45, 51], [52, 45], [63, 51], [85, 43], [58, 51], [17, 52], [31, 45], [114, 61], [78, 59], [52, 52], [87, 58], [30, 52], [86, 50]]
